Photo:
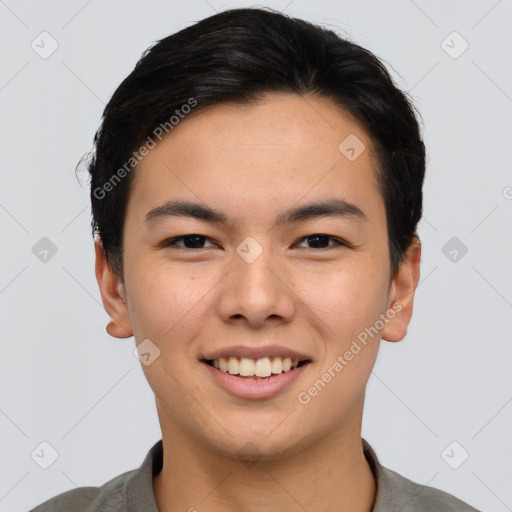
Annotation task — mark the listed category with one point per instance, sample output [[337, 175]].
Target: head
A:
[[250, 115]]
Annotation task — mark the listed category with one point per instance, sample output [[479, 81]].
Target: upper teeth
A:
[[263, 367]]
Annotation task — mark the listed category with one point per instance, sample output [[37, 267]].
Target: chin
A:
[[258, 443]]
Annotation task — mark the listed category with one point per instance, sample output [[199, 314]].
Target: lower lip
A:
[[254, 388]]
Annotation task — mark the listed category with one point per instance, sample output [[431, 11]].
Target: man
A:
[[256, 187]]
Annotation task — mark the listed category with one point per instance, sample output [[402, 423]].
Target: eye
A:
[[190, 241], [320, 239], [194, 241]]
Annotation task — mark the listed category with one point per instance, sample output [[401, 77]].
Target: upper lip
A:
[[256, 352]]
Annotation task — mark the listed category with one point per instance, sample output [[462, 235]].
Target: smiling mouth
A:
[[256, 369]]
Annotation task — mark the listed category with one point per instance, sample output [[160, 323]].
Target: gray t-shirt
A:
[[133, 491]]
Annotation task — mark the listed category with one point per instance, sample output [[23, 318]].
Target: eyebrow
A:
[[328, 208]]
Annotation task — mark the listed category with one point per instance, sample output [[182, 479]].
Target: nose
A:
[[256, 291]]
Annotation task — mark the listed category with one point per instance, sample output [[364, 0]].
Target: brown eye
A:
[[189, 242], [321, 241]]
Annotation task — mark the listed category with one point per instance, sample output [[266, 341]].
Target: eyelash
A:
[[171, 242]]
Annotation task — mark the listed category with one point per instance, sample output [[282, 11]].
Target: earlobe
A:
[[401, 296], [113, 295], [116, 330]]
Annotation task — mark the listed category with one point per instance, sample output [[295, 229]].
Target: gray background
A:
[[66, 382]]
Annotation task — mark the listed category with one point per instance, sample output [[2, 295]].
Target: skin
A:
[[253, 162]]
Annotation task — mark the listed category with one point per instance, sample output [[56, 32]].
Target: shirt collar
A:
[[384, 496], [138, 489], [139, 493]]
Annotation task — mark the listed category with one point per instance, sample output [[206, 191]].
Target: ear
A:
[[113, 295], [401, 293]]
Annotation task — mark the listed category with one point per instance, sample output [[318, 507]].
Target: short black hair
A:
[[238, 56]]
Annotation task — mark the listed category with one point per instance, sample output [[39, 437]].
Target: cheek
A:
[[345, 299], [165, 302], [349, 306]]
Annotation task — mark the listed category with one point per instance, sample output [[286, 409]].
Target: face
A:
[[257, 281]]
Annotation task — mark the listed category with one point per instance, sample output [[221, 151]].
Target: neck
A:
[[329, 475]]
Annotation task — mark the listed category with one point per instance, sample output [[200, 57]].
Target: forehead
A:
[[257, 156]]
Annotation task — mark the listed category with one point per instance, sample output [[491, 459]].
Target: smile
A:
[[261, 368], [265, 377]]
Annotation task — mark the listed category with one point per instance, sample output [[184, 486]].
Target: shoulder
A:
[[130, 491], [110, 497], [396, 492], [414, 497]]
